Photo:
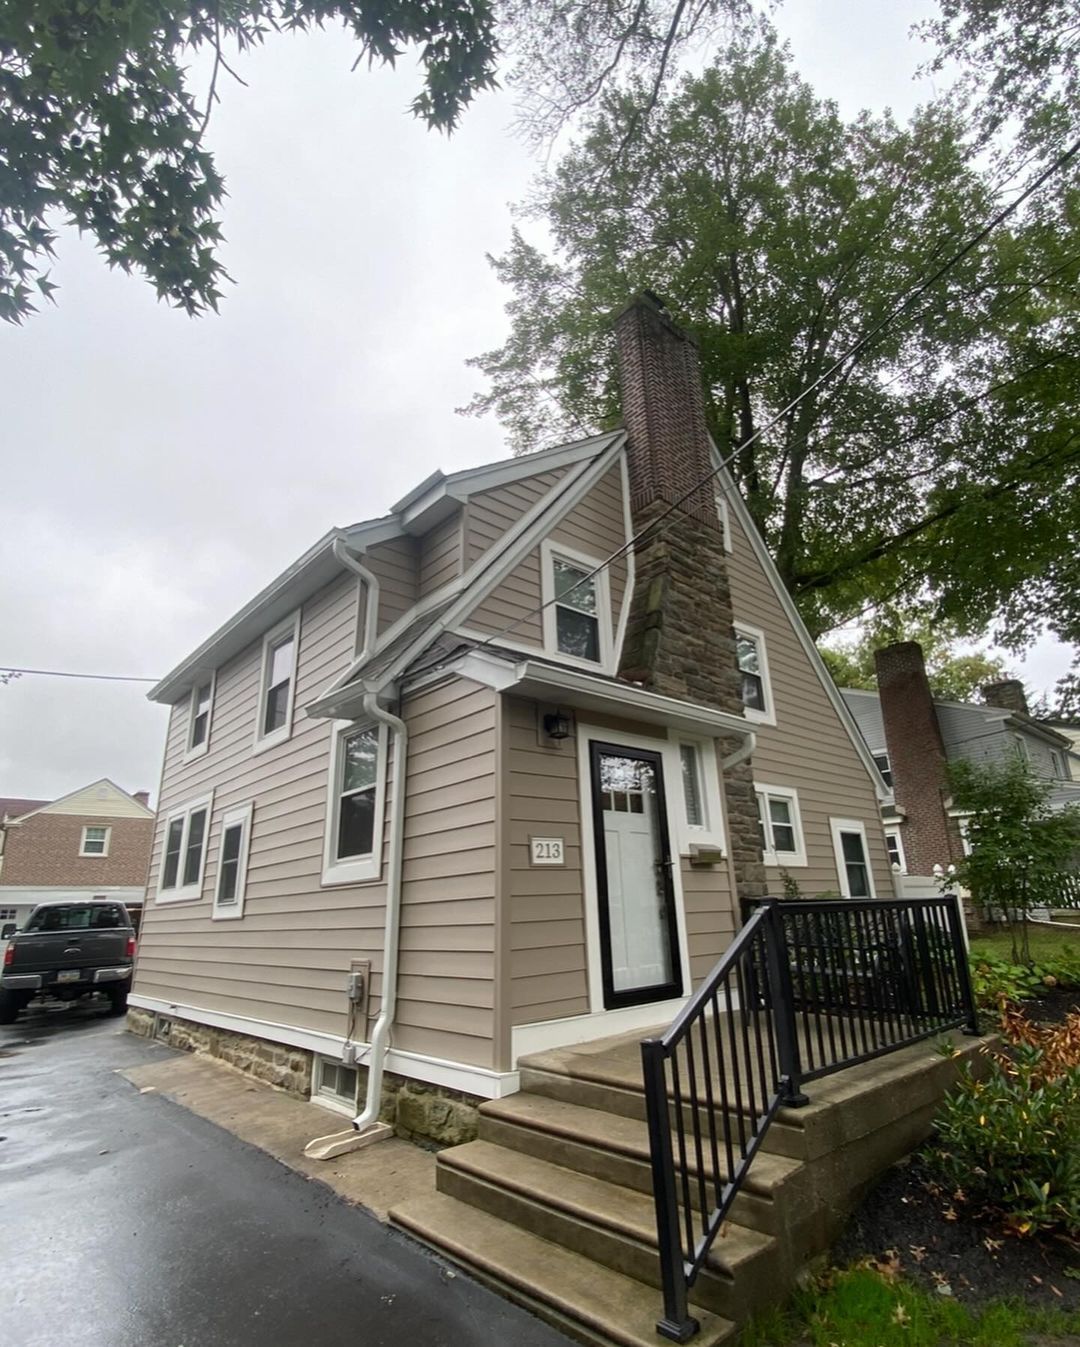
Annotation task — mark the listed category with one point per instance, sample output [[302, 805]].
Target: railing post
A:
[[963, 968], [676, 1323], [782, 994]]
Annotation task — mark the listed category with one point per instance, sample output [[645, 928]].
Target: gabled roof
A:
[[438, 496], [45, 806], [12, 807]]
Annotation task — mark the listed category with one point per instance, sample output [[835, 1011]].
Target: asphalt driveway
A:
[[126, 1221]]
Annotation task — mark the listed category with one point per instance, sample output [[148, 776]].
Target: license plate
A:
[[68, 975]]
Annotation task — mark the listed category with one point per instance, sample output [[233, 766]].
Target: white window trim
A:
[[185, 893], [895, 832], [95, 855], [768, 716], [290, 626], [850, 825], [240, 814], [197, 750], [785, 860], [725, 517], [360, 869], [711, 832], [548, 552]]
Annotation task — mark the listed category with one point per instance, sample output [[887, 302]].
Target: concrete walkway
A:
[[127, 1221]]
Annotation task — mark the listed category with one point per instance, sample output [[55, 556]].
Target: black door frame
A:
[[665, 991]]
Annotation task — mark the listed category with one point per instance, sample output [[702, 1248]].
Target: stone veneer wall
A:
[[429, 1115]]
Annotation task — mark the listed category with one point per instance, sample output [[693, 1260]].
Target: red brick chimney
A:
[[916, 757], [679, 639], [143, 797], [1008, 694]]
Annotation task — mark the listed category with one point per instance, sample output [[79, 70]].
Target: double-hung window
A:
[[232, 862], [884, 766], [577, 621], [852, 858], [278, 683], [354, 808], [184, 856], [780, 824], [894, 845], [753, 668], [95, 841], [200, 708]]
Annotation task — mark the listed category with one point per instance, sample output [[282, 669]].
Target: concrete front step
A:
[[611, 1224], [615, 1149], [591, 1303]]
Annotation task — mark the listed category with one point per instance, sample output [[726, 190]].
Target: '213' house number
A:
[[547, 851]]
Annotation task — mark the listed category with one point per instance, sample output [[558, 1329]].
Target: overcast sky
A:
[[156, 471]]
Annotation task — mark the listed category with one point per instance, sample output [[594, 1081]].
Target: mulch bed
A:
[[910, 1225]]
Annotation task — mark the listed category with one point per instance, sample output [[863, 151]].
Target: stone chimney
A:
[[679, 639], [1008, 694], [916, 757], [143, 798]]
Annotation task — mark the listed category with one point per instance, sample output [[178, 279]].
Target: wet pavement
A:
[[126, 1221]]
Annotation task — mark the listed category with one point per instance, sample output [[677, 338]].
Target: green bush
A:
[[1012, 1140], [996, 978]]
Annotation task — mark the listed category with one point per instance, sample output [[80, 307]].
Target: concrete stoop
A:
[[552, 1204]]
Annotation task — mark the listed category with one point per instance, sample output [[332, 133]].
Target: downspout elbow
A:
[[744, 751], [371, 604]]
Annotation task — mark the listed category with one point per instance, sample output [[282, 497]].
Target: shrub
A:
[[996, 979]]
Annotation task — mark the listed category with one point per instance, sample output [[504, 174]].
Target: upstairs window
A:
[[202, 697], [354, 812], [753, 668], [278, 683], [881, 762], [95, 841], [184, 854], [576, 613]]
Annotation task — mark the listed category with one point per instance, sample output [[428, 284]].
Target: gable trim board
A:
[[474, 1080], [52, 806]]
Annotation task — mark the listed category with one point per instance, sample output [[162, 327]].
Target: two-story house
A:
[[93, 843], [492, 772], [913, 735]]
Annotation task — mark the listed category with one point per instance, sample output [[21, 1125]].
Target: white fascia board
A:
[[308, 574], [787, 603]]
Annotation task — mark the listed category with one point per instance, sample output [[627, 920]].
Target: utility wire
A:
[[66, 673], [853, 352]]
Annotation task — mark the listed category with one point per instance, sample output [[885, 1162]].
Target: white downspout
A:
[[744, 751], [371, 602]]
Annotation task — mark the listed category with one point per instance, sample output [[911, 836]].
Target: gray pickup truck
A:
[[66, 950]]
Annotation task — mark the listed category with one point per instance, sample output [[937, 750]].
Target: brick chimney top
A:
[[663, 405], [143, 797], [1008, 694]]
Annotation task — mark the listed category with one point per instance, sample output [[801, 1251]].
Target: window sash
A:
[[170, 867], [194, 846], [751, 672], [693, 792], [183, 862], [577, 633], [856, 865], [200, 715], [769, 805], [232, 841], [884, 766], [95, 840]]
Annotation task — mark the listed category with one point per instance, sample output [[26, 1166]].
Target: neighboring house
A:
[[92, 843], [914, 735], [560, 776]]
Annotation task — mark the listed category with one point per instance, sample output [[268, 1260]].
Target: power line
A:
[[67, 673]]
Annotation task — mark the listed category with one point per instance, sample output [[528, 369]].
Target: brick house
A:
[[92, 843]]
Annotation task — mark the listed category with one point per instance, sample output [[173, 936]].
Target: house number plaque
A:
[[547, 851]]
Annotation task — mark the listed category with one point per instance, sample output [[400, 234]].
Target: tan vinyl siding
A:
[[808, 749], [440, 555], [490, 514], [396, 566], [595, 526]]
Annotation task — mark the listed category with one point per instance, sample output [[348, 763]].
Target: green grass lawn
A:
[[861, 1308], [1046, 946]]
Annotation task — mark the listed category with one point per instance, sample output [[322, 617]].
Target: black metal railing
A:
[[807, 987]]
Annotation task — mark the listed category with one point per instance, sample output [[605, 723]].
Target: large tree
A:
[[942, 461], [101, 124]]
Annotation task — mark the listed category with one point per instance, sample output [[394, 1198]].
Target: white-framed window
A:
[[183, 857], [277, 684], [852, 858], [1021, 747], [1057, 765], [335, 1084], [577, 611], [884, 766], [780, 823], [233, 862], [95, 840], [724, 512], [355, 804], [894, 844], [701, 815], [200, 709], [753, 663], [8, 913]]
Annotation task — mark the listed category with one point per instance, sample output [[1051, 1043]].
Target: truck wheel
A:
[[118, 1002], [10, 1005]]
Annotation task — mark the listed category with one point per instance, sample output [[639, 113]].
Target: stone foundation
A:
[[428, 1115]]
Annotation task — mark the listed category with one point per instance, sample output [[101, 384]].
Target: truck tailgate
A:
[[38, 951]]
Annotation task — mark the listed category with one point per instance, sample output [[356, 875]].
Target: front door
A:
[[638, 939]]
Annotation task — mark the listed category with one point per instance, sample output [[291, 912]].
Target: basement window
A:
[[335, 1085], [577, 612]]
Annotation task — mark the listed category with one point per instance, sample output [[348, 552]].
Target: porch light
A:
[[557, 725]]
